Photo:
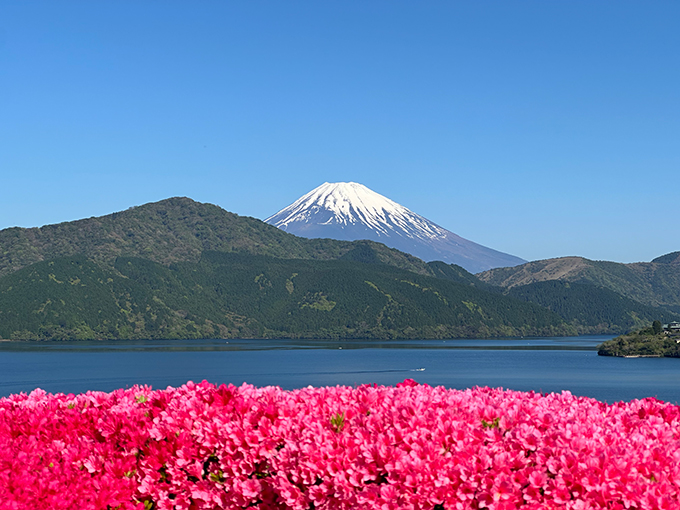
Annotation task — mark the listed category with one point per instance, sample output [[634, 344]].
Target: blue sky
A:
[[542, 129]]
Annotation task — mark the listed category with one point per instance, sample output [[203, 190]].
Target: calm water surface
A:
[[539, 364]]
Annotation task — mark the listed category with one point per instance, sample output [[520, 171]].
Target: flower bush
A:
[[410, 447]]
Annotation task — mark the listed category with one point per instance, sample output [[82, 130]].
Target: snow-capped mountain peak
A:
[[350, 203], [351, 211]]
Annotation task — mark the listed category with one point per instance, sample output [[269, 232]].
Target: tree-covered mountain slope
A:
[[669, 258], [591, 309], [175, 230], [227, 295], [655, 283], [105, 299]]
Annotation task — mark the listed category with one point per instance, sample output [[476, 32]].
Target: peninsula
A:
[[657, 341]]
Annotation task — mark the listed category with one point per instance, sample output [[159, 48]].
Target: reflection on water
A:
[[562, 343], [538, 364]]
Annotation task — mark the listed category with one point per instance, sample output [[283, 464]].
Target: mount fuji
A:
[[351, 211]]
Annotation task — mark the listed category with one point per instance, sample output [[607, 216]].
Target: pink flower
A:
[[413, 446]]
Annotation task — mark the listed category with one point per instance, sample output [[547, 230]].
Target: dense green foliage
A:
[[182, 269], [590, 309], [644, 342], [75, 298], [227, 295], [175, 230], [669, 258], [457, 274], [655, 283]]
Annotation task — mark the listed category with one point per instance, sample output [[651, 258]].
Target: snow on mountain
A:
[[351, 211]]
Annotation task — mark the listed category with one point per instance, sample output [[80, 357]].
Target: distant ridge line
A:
[[351, 211]]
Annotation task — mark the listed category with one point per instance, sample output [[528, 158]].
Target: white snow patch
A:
[[350, 203]]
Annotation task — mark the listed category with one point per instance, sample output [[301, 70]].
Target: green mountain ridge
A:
[[669, 258], [175, 230], [229, 295], [591, 309], [160, 271], [655, 284]]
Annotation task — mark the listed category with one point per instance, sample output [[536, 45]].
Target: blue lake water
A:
[[539, 364]]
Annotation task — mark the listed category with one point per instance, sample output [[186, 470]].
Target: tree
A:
[[656, 326]]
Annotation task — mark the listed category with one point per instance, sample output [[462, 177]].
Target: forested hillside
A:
[[175, 230], [591, 309], [655, 283], [236, 295], [182, 269]]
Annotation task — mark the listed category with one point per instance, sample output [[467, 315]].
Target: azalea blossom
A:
[[413, 446]]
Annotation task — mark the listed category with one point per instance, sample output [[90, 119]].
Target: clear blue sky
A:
[[538, 128]]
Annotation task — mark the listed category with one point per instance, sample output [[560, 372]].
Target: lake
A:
[[538, 364]]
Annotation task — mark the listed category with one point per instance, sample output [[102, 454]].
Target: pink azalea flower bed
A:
[[412, 447]]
